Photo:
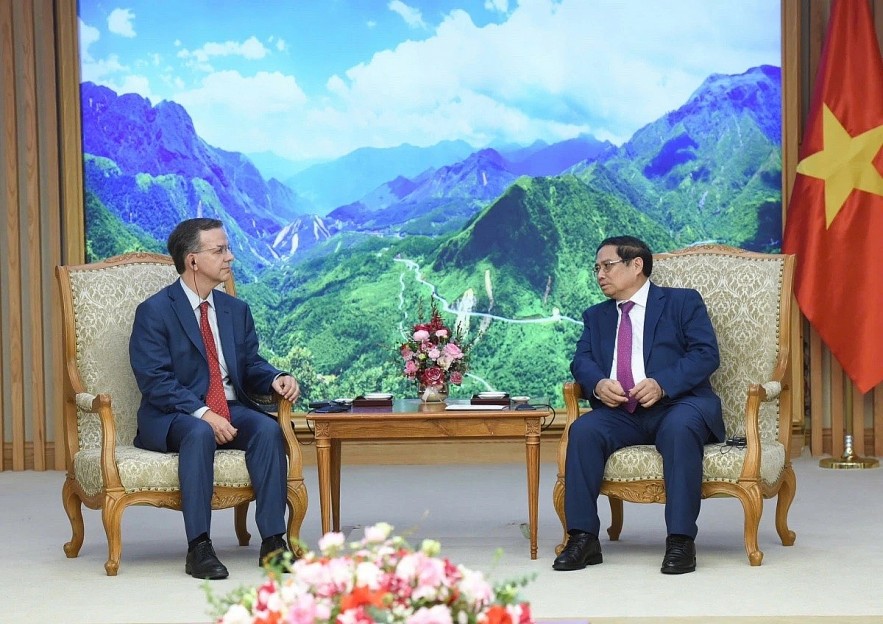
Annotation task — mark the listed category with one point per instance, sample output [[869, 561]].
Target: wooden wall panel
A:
[[50, 233], [8, 199], [70, 142], [31, 278], [791, 102], [31, 177], [12, 361]]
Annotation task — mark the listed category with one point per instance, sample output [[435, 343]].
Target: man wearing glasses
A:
[[644, 361], [194, 352]]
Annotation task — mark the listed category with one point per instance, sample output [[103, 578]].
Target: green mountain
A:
[[540, 239]]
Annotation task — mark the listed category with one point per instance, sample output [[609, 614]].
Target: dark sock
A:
[[279, 535], [197, 541], [681, 537], [578, 532]]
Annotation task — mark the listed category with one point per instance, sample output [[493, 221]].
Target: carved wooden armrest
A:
[[100, 404], [573, 393], [757, 393], [86, 402], [772, 390], [292, 446]]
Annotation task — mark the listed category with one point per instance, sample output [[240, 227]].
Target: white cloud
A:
[[119, 22], [110, 71], [112, 75], [133, 83], [412, 16], [98, 70], [501, 6], [88, 36], [251, 49], [245, 113]]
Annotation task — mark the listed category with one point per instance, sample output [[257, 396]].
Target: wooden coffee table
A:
[[411, 419]]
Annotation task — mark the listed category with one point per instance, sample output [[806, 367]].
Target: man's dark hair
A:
[[629, 248], [184, 239]]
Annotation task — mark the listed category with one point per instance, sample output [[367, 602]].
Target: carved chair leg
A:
[[752, 504], [615, 518], [240, 516], [111, 516], [297, 510], [73, 506], [558, 502], [783, 504]]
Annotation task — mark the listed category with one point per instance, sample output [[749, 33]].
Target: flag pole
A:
[[849, 460]]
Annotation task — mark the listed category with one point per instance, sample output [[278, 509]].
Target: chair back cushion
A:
[[743, 294]]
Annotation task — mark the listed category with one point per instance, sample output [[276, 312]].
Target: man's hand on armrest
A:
[[287, 387]]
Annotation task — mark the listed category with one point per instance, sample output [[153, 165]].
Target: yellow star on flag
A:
[[845, 163]]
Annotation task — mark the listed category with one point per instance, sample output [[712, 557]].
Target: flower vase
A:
[[433, 394]]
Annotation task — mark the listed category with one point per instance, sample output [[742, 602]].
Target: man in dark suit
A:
[[644, 360], [194, 352]]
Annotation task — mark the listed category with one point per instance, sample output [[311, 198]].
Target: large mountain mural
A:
[[504, 236]]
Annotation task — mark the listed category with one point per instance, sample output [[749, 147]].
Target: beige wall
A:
[[41, 224]]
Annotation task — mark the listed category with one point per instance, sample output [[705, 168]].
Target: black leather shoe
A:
[[203, 563], [582, 549], [275, 548], [680, 555]]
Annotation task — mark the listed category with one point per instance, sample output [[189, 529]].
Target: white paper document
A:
[[459, 407]]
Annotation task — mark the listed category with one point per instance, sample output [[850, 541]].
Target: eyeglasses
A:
[[605, 266], [220, 250]]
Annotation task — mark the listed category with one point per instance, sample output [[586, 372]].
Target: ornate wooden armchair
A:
[[104, 469], [748, 296]]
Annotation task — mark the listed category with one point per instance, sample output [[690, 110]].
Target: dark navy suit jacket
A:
[[168, 358], [680, 351]]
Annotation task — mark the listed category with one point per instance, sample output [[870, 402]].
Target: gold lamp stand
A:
[[849, 460]]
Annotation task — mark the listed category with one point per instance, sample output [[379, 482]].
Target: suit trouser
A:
[[679, 433], [260, 437]]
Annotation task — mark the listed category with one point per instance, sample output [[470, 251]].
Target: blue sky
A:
[[315, 79]]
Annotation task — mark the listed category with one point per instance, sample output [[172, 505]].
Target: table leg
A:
[[532, 444], [323, 465], [335, 484]]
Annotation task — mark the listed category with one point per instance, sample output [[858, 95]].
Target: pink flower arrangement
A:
[[433, 355], [377, 579]]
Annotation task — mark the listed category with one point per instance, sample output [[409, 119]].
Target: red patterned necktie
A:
[[624, 354], [215, 397]]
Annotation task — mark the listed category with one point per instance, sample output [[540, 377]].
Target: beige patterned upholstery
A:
[[748, 296], [104, 470]]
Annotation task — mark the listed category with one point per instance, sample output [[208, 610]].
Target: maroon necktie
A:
[[624, 354], [215, 397]]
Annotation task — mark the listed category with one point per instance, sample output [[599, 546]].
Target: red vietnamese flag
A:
[[835, 217]]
